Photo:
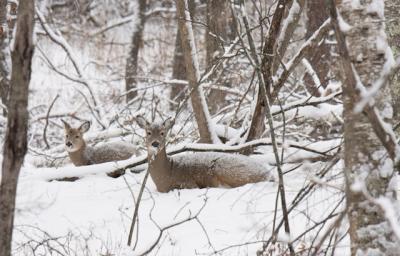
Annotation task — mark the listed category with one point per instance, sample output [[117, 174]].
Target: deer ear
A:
[[168, 123], [84, 127], [66, 125], [142, 122]]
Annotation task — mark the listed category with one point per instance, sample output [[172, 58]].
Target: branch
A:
[[307, 47], [59, 40], [47, 121], [310, 101], [136, 211], [162, 230], [118, 168]]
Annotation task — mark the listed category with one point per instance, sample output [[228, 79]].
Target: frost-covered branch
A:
[[368, 95], [307, 47], [287, 31], [119, 168], [59, 40]]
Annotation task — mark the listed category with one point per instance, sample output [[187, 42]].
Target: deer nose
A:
[[69, 144], [155, 144]]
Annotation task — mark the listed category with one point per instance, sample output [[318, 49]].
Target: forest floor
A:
[[92, 215]]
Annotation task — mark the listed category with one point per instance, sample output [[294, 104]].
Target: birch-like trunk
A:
[[199, 104], [392, 11], [368, 169], [131, 68], [15, 144]]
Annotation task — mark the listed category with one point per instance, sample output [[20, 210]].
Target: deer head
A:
[[156, 134], [74, 136]]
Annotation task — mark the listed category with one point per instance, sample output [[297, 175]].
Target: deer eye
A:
[[149, 133], [76, 137], [162, 133]]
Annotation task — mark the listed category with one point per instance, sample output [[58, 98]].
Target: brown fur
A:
[[197, 170], [81, 154]]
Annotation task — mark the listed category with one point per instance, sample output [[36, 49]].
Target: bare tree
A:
[[132, 60], [368, 169], [199, 104], [257, 126], [220, 32], [179, 69], [5, 69], [15, 144], [319, 59]]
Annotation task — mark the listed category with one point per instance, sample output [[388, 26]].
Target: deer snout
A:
[[155, 144], [68, 144]]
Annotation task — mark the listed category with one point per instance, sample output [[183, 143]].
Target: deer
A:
[[81, 154], [195, 170]]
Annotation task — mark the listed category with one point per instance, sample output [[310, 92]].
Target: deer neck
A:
[[159, 164], [79, 157]]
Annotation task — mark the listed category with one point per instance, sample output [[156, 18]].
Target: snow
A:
[[92, 215], [311, 71], [378, 7], [294, 10], [96, 210], [344, 26]]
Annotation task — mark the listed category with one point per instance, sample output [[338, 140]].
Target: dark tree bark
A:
[[5, 57], [179, 69], [131, 68], [257, 126], [220, 32], [199, 104], [319, 58], [15, 144]]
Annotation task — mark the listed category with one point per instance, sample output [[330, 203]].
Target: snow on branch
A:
[[57, 38], [310, 101], [368, 95], [307, 47], [115, 169]]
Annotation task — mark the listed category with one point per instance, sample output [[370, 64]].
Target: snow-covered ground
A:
[[92, 215]]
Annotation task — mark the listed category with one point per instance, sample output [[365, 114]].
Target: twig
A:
[[135, 213], [162, 230], [47, 121]]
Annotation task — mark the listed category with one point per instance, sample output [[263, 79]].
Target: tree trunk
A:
[[257, 126], [199, 104], [220, 32], [368, 170], [133, 58], [393, 31], [5, 56], [320, 56], [15, 144], [179, 69], [292, 21]]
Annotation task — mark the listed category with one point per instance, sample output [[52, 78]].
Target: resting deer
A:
[[196, 170], [82, 154]]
